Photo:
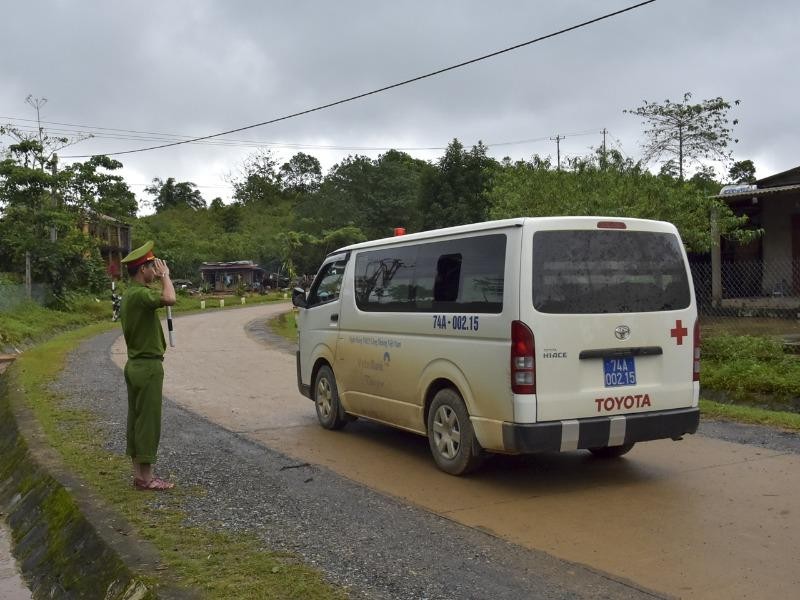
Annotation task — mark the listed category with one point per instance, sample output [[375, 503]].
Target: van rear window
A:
[[590, 272]]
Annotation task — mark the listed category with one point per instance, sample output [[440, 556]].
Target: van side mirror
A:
[[299, 297]]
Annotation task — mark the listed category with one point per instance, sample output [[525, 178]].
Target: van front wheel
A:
[[326, 400], [450, 435], [611, 451]]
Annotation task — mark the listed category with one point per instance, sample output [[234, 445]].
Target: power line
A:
[[259, 144], [382, 89]]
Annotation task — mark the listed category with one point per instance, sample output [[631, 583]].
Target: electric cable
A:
[[379, 90]]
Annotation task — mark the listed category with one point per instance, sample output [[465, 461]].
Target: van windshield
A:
[[609, 271]]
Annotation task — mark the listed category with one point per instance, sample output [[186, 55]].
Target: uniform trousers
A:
[[144, 378]]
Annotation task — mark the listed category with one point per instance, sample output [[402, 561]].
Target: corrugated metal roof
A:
[[759, 192], [237, 264]]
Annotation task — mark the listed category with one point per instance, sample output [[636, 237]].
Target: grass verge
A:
[[29, 323], [748, 414], [220, 564], [284, 325]]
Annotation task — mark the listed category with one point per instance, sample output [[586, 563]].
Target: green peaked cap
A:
[[141, 255]]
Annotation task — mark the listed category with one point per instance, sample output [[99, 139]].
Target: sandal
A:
[[155, 484]]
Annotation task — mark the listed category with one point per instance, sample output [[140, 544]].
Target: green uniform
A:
[[144, 372]]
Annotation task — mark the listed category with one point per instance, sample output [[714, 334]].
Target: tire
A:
[[450, 434], [611, 451], [326, 400]]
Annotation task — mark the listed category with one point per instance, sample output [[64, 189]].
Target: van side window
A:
[[385, 279], [327, 285], [463, 275]]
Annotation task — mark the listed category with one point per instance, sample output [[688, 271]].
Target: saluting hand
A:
[[161, 269]]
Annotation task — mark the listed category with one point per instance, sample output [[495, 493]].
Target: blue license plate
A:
[[619, 371]]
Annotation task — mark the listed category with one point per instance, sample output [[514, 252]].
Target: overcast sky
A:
[[198, 67]]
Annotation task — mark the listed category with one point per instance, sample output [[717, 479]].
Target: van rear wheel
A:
[[611, 451], [450, 434], [326, 400]]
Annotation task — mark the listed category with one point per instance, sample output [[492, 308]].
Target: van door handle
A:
[[335, 317]]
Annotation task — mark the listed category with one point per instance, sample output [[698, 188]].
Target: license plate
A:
[[619, 371]]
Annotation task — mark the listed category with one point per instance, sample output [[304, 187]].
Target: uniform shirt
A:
[[140, 323]]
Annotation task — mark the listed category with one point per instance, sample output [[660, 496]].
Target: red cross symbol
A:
[[679, 332]]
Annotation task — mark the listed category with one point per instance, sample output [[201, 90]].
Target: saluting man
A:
[[144, 371]]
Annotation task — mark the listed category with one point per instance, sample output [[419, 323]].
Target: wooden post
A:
[[28, 275], [716, 261]]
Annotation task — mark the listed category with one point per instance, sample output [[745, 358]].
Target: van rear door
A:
[[612, 313]]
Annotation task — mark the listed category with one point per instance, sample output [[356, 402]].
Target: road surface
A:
[[697, 518]]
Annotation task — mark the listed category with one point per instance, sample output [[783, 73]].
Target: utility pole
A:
[[53, 199], [557, 140], [604, 132]]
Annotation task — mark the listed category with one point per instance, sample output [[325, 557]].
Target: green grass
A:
[[750, 368], [29, 323], [222, 565], [748, 414], [285, 325]]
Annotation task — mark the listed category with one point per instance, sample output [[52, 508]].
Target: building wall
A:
[[777, 241]]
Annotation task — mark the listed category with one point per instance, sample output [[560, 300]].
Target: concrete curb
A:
[[68, 544]]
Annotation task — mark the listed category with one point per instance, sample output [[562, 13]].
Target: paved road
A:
[[699, 518]]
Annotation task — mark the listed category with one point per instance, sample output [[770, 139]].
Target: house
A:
[[223, 276], [764, 273], [115, 241]]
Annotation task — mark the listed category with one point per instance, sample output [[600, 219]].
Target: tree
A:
[[685, 132], [342, 199], [394, 195], [40, 221], [169, 194], [96, 192], [45, 157], [455, 192], [301, 175], [743, 171], [258, 181], [615, 187]]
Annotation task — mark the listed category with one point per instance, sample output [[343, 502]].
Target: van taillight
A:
[[696, 352], [523, 365]]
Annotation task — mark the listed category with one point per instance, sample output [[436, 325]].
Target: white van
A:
[[521, 335]]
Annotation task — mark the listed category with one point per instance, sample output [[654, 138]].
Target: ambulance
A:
[[514, 336]]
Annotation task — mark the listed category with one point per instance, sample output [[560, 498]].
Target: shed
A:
[[223, 276]]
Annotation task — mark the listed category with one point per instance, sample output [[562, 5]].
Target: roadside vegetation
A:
[[29, 322], [284, 325], [222, 565], [751, 371]]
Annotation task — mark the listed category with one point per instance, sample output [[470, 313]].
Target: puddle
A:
[[12, 587]]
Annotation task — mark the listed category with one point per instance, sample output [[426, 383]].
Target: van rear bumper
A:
[[598, 432]]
